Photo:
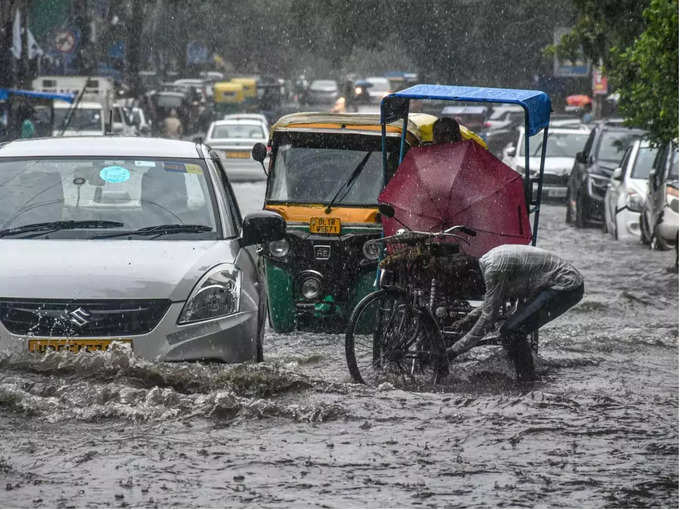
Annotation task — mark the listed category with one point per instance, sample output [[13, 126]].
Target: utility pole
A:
[[7, 10]]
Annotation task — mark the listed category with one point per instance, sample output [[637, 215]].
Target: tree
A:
[[646, 73]]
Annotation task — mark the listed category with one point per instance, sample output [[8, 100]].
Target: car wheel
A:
[[645, 236], [581, 217]]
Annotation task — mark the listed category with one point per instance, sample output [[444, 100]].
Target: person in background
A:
[[446, 130], [548, 286], [172, 126], [28, 125]]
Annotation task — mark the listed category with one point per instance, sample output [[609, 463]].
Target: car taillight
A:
[[672, 191], [487, 124]]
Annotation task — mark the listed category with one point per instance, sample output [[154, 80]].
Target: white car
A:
[[234, 139], [379, 88], [502, 116], [563, 144], [133, 240], [627, 191]]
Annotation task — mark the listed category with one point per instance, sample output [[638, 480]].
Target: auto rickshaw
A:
[[249, 90], [325, 174], [229, 97]]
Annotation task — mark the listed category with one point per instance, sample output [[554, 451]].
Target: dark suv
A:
[[593, 167]]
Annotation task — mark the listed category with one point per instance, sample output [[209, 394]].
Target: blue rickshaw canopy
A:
[[5, 93], [536, 104]]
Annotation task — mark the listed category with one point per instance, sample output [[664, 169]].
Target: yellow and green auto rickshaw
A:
[[229, 97], [324, 177], [249, 90]]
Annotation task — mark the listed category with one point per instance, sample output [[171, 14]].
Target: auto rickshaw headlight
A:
[[371, 250], [280, 248], [311, 287]]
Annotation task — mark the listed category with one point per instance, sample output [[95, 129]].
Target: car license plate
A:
[[72, 344], [320, 225], [557, 192], [322, 252], [237, 154]]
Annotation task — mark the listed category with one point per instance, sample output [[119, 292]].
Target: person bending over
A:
[[548, 284]]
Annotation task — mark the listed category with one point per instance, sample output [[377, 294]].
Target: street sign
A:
[[197, 53], [599, 82], [65, 41]]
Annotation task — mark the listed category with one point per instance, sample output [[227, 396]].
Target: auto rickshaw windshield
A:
[[312, 167]]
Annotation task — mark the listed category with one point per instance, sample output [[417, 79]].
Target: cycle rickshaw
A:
[[443, 200]]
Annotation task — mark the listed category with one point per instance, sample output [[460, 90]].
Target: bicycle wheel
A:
[[389, 338]]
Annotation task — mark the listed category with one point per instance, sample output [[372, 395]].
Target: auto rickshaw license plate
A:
[[72, 344], [320, 225], [237, 154]]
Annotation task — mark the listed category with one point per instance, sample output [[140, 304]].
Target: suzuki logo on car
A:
[[79, 317]]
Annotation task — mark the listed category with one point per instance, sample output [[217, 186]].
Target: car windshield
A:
[[643, 162], [560, 145], [309, 168], [82, 119], [242, 130], [137, 193], [613, 144]]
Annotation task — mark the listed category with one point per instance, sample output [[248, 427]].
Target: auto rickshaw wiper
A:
[[53, 226], [158, 230], [347, 185]]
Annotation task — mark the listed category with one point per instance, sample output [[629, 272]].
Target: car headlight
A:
[[371, 250], [634, 201], [280, 248], [216, 294]]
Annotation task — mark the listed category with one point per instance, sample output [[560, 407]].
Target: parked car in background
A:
[[563, 144], [627, 191], [659, 217], [324, 92], [593, 167], [472, 117], [137, 241], [234, 140], [379, 87], [502, 116]]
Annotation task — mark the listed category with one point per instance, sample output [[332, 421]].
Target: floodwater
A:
[[598, 429]]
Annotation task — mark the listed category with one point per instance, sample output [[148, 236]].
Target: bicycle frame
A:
[[536, 105]]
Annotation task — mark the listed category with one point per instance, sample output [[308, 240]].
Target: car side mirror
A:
[[262, 227], [618, 174], [511, 152]]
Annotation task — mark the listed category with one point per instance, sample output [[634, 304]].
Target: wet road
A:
[[599, 428]]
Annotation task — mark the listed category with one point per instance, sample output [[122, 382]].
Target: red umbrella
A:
[[578, 100], [439, 186]]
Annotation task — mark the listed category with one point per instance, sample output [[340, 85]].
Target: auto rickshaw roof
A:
[[536, 103], [418, 123], [228, 85]]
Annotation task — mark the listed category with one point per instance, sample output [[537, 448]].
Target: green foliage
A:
[[646, 73], [602, 25]]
